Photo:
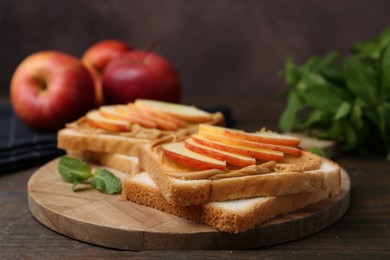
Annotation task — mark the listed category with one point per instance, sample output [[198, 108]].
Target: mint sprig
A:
[[346, 100], [74, 170], [106, 182]]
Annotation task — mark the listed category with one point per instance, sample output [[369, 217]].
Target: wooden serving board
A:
[[100, 219]]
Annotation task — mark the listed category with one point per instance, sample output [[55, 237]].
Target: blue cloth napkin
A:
[[21, 147]]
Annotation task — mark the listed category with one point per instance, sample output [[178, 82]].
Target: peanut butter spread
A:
[[306, 162], [137, 131]]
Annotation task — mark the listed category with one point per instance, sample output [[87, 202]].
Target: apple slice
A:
[[239, 142], [94, 118], [147, 115], [187, 113], [261, 154], [179, 153], [230, 158], [261, 137], [162, 115], [113, 112], [124, 112]]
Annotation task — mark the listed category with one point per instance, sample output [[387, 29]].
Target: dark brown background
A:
[[229, 48]]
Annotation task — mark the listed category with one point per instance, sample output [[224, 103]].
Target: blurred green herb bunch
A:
[[343, 99]]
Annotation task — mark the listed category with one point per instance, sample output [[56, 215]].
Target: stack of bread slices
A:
[[181, 160]]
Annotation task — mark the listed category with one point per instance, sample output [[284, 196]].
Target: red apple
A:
[[96, 57], [49, 89], [139, 74]]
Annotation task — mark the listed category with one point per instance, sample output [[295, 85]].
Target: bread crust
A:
[[150, 196], [69, 139], [120, 162], [262, 210]]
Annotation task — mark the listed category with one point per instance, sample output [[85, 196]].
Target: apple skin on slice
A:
[[261, 137], [189, 114], [162, 115], [178, 153], [261, 154], [239, 142], [112, 112], [95, 119], [125, 113], [230, 158], [147, 115]]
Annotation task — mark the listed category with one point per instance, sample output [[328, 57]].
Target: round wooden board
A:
[[100, 219]]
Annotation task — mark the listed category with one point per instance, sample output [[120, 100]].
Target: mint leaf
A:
[[74, 170], [291, 72], [384, 123], [385, 73], [316, 118], [288, 118], [326, 98], [357, 113], [351, 138], [374, 47], [343, 110], [348, 101], [361, 79], [330, 60], [318, 151], [74, 184], [106, 182], [369, 49]]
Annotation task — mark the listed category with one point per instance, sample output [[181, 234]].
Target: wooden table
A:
[[363, 232]]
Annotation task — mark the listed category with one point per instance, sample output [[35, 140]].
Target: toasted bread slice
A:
[[183, 186], [142, 190], [124, 163], [80, 140], [230, 216], [82, 135]]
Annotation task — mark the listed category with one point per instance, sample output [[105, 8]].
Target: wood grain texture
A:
[[100, 219]]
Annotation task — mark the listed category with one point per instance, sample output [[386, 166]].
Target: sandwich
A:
[[231, 180], [181, 160], [111, 131], [220, 164]]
